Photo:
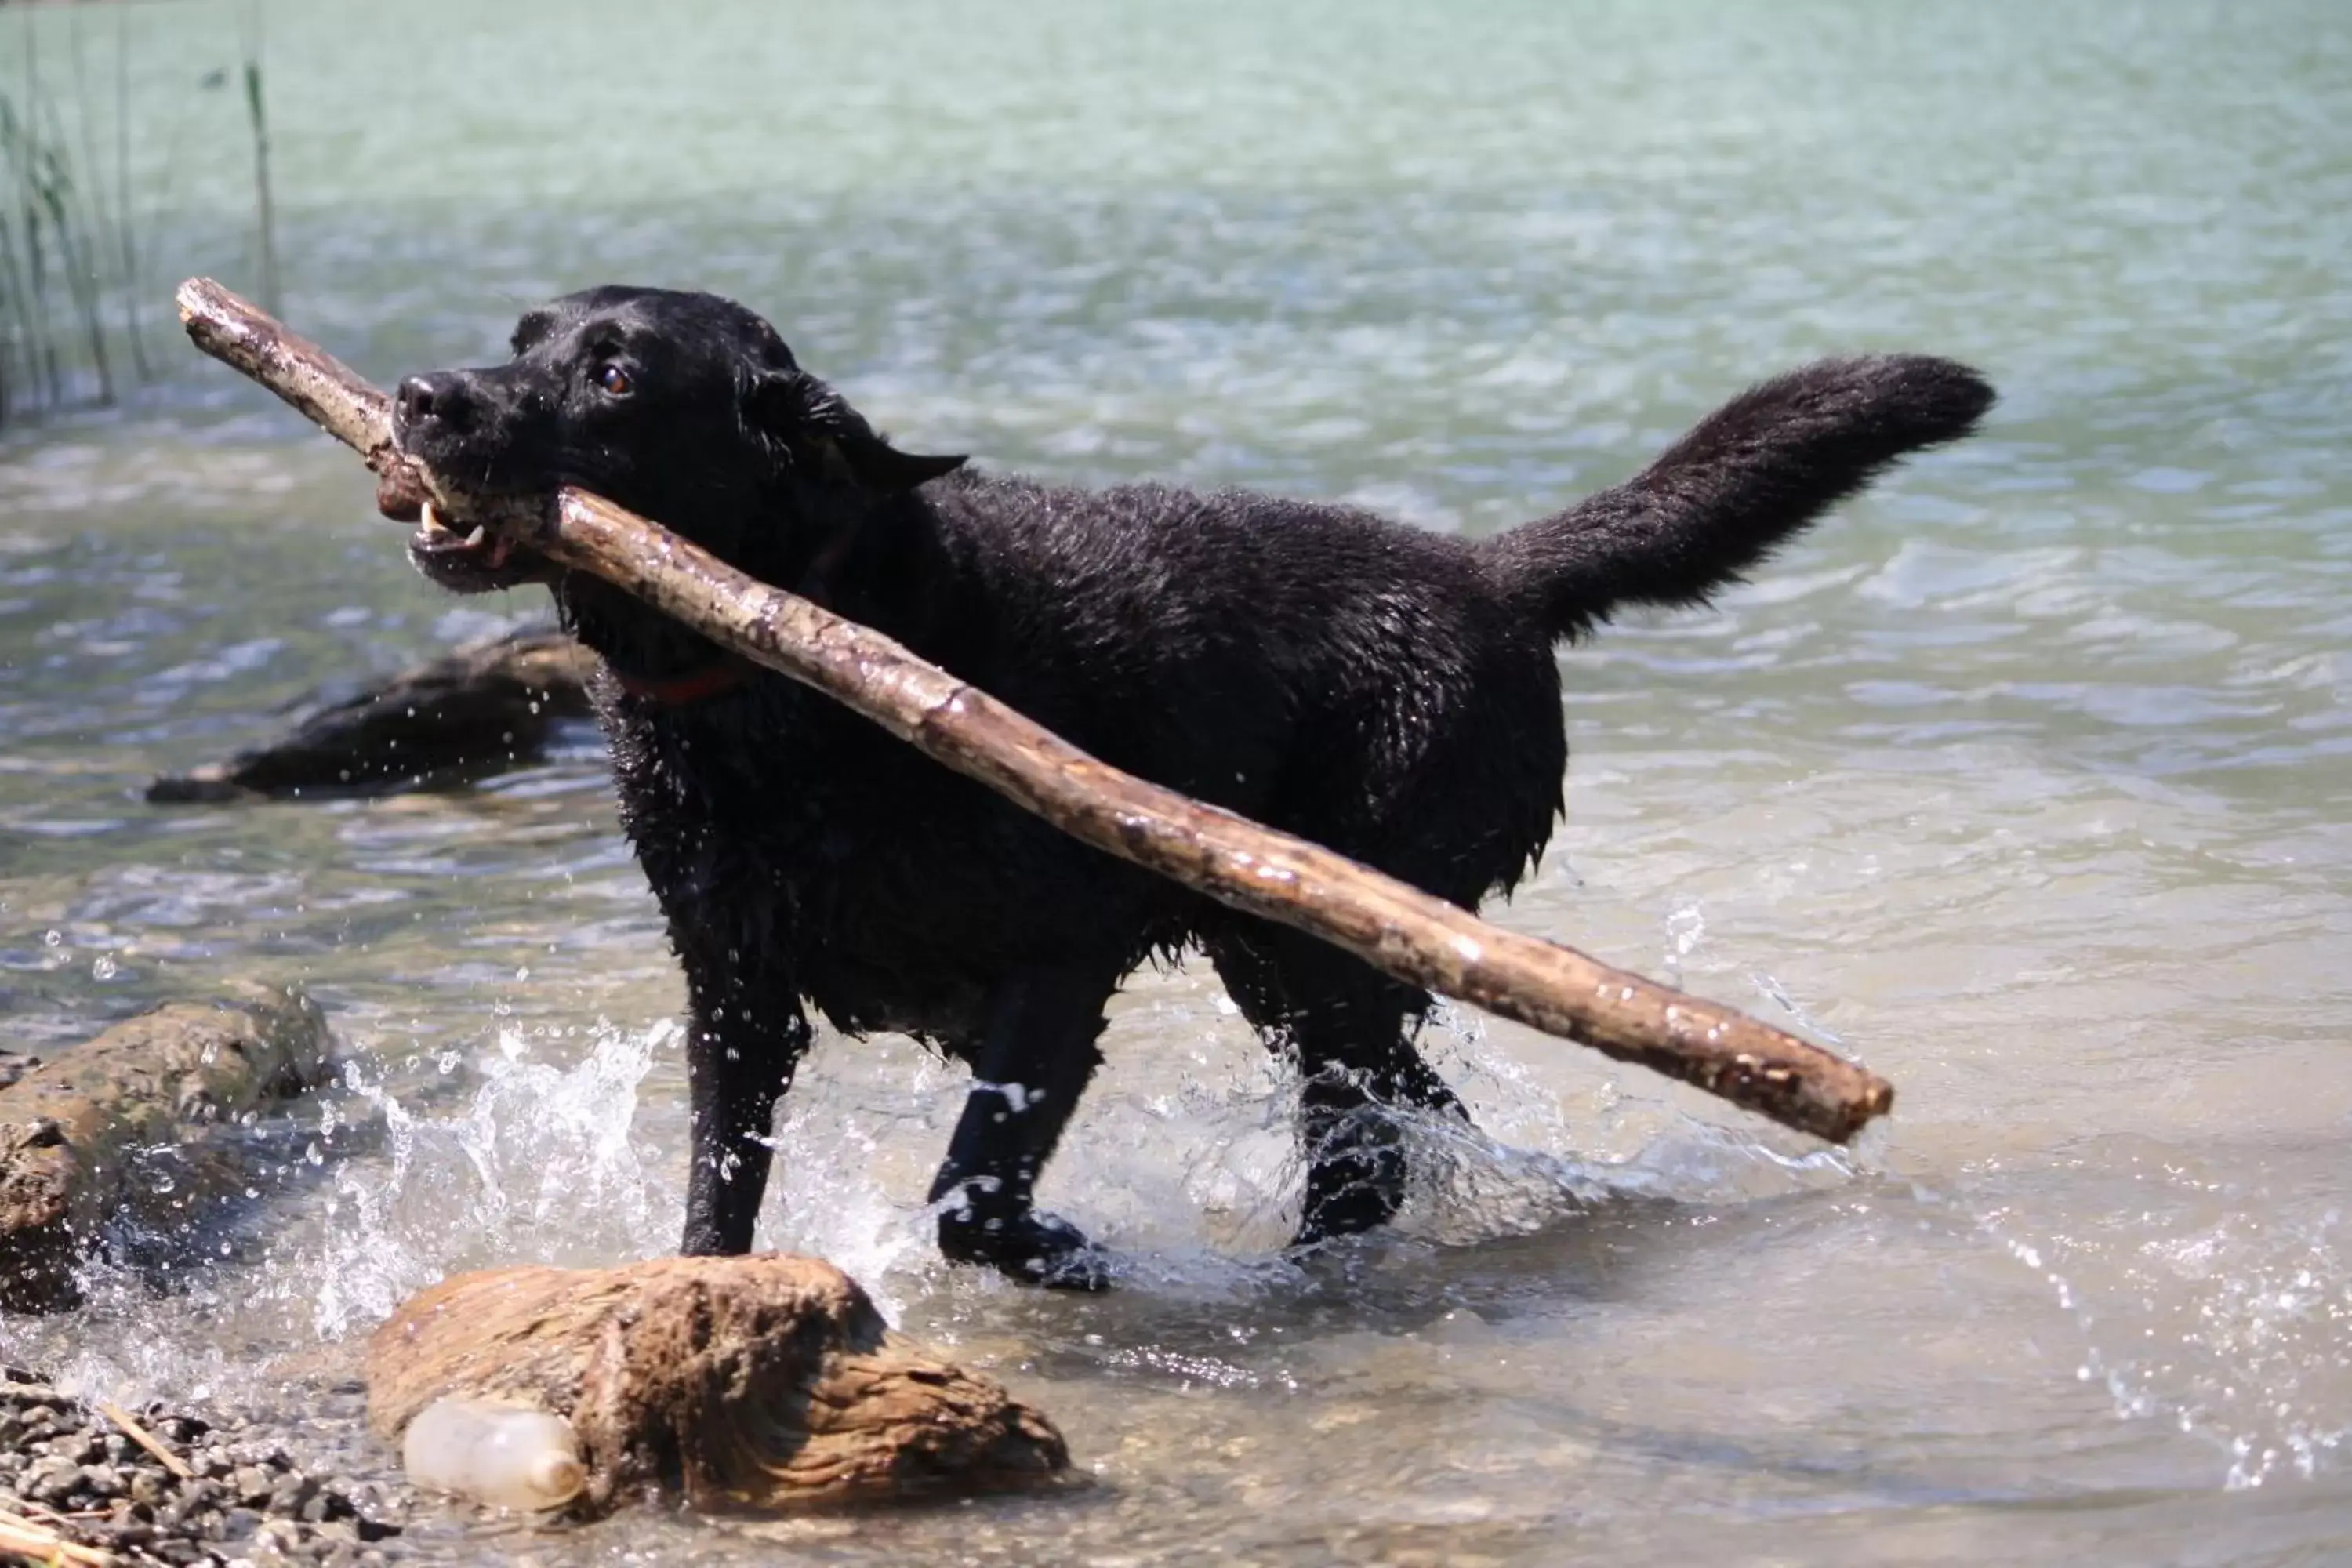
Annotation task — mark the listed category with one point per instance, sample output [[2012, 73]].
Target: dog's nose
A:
[[441, 395]]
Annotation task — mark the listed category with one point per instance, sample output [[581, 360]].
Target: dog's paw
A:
[[1350, 1196], [1033, 1248]]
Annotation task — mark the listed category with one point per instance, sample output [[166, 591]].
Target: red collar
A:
[[720, 676]]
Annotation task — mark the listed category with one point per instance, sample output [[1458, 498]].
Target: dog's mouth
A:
[[476, 546], [465, 559]]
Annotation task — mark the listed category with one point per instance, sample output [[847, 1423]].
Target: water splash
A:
[[2235, 1326], [1685, 929], [541, 1167]]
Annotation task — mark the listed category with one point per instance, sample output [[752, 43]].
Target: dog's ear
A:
[[818, 434], [875, 463]]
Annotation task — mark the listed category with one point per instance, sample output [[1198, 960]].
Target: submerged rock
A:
[[487, 706], [761, 1382], [71, 1129]]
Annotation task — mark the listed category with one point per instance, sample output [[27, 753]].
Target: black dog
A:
[[1386, 691]]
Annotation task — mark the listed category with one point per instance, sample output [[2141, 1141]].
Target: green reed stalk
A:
[[30, 271], [125, 242], [16, 132], [10, 300], [263, 206], [102, 246], [16, 326], [61, 225], [79, 247]]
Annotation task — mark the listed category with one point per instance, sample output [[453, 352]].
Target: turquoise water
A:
[[2025, 777]]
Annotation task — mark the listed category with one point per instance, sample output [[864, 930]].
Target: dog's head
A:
[[684, 408]]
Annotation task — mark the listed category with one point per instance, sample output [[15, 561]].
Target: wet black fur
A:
[[1386, 691]]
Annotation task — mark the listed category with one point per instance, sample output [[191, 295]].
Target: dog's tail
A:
[[1752, 474]]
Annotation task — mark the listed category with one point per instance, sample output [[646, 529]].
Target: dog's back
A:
[[1311, 666]]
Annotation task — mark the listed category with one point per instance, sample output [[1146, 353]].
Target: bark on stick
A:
[[1387, 924]]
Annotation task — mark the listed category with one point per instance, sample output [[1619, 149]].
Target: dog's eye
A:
[[615, 381]]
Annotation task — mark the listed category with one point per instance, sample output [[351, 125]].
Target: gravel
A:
[[68, 1466]]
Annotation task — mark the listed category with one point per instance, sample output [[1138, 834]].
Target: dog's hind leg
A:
[[1033, 1058], [1351, 1029]]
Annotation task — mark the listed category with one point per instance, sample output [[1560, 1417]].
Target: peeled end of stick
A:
[[325, 391], [1876, 1101], [1823, 1094], [189, 297]]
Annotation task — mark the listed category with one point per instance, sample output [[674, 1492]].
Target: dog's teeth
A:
[[431, 518], [474, 538]]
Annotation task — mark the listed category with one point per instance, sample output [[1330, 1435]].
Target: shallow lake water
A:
[[2027, 778]]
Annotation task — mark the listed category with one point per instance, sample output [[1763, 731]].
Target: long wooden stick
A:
[[1387, 924]]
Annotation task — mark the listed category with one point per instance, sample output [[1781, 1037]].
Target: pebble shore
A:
[[71, 1467]]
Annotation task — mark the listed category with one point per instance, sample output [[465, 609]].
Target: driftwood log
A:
[[761, 1382], [1392, 926], [484, 707], [71, 1130]]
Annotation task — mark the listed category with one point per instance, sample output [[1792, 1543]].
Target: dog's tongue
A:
[[399, 496]]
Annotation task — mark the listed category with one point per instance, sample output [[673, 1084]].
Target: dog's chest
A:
[[770, 802], [895, 891]]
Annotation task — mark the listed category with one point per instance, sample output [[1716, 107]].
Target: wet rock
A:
[[287, 1496], [50, 1481], [250, 1485], [69, 1129], [488, 706], [758, 1382]]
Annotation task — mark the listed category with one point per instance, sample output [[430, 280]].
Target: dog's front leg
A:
[[743, 1042], [1030, 1068]]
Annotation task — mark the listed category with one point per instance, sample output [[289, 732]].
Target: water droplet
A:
[[101, 968], [163, 1183], [523, 974], [316, 1155], [447, 1061], [52, 937]]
